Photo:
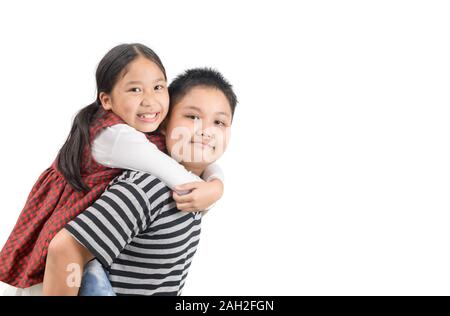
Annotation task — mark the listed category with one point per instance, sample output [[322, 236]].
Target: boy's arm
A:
[[102, 231], [64, 265]]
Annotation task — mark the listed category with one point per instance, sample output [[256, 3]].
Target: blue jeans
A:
[[95, 281]]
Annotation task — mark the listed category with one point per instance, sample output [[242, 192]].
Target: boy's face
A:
[[198, 128]]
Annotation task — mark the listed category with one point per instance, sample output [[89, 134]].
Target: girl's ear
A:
[[105, 99]]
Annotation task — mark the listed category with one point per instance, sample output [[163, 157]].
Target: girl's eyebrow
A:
[[134, 82], [140, 82]]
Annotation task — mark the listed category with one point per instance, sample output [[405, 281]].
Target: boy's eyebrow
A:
[[224, 113], [191, 107]]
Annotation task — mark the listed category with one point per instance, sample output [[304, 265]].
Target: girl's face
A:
[[140, 96]]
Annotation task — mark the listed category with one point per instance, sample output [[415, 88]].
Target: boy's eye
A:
[[136, 89], [193, 117], [220, 123], [159, 87]]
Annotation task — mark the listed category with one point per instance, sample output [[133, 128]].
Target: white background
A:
[[337, 175]]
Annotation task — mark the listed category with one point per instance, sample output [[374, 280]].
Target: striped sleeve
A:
[[110, 224]]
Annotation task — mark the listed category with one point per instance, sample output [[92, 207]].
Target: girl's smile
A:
[[149, 117]]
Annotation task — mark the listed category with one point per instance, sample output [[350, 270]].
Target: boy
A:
[[135, 229]]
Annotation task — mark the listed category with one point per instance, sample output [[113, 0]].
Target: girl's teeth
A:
[[148, 115]]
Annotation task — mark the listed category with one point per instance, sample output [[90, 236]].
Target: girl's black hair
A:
[[69, 159]]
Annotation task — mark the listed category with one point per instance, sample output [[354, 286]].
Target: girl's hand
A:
[[201, 196]]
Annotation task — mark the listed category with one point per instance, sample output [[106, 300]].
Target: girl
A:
[[111, 134]]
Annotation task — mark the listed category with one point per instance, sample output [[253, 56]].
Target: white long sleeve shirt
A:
[[122, 146]]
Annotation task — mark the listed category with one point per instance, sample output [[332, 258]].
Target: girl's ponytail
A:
[[69, 160]]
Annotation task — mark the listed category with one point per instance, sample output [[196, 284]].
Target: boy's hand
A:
[[201, 196]]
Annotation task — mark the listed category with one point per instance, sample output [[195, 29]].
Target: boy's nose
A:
[[205, 134]]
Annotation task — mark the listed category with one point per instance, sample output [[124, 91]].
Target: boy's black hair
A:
[[204, 77]]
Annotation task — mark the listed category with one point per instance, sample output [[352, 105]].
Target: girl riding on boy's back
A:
[[118, 131]]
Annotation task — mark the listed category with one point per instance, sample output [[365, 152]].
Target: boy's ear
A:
[[163, 127], [105, 99]]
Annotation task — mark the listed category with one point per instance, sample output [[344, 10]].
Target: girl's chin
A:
[[146, 128]]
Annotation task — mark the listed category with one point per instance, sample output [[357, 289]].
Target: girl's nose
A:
[[150, 98], [149, 101]]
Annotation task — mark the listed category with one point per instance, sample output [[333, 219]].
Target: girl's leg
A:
[[95, 281]]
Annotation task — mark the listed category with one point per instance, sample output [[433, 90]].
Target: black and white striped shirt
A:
[[135, 230]]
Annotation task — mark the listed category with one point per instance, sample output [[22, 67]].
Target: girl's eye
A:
[[136, 89], [159, 87], [220, 123]]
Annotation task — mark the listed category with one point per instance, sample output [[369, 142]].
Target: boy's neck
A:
[[198, 170]]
